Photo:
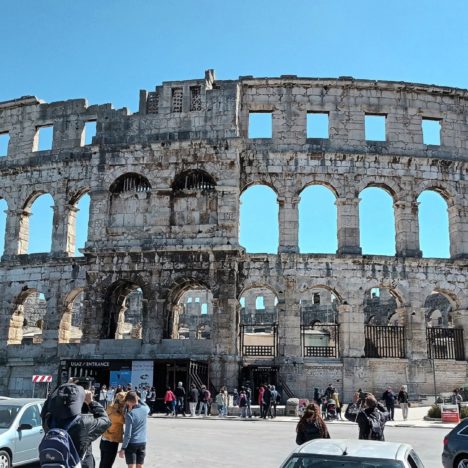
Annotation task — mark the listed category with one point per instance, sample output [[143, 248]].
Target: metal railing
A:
[[445, 343], [330, 332], [258, 350], [384, 341]]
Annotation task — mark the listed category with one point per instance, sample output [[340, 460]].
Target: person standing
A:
[[372, 412], [110, 395], [267, 402], [335, 397], [261, 391], [403, 400], [111, 439], [456, 399], [219, 400], [180, 399], [151, 400], [243, 404], [248, 395], [235, 397], [389, 398], [170, 402], [193, 400], [311, 425], [134, 440], [273, 401], [103, 396], [205, 397]]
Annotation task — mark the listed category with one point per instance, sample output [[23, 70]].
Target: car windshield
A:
[[7, 415], [319, 461]]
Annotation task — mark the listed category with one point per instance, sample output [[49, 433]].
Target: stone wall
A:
[[165, 185]]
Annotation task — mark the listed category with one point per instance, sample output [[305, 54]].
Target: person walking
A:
[[110, 440], [261, 391], [311, 425], [151, 400], [389, 398], [243, 403], [403, 401], [193, 400], [248, 396], [336, 397], [456, 399], [103, 396], [273, 401], [266, 402], [180, 399], [170, 402], [235, 397], [134, 440], [317, 398], [205, 397], [219, 400], [371, 420]]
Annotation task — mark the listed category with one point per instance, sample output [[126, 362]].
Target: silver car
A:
[[353, 453], [20, 431]]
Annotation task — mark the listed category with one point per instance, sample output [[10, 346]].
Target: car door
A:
[[28, 439], [413, 460]]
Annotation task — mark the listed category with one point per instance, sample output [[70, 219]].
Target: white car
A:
[[351, 453], [20, 431]]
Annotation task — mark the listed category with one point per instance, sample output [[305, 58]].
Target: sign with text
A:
[[142, 374]]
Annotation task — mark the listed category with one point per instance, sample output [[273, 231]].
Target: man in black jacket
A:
[[371, 410], [389, 398], [64, 405], [180, 395]]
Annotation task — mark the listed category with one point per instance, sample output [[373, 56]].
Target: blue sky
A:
[[107, 51]]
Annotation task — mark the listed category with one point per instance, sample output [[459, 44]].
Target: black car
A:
[[455, 454]]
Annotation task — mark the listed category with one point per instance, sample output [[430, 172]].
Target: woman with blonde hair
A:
[[114, 435], [311, 425]]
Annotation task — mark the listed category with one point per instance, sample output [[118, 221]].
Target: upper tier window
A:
[[193, 180]]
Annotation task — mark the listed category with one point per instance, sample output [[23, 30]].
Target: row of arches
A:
[[317, 230], [191, 311]]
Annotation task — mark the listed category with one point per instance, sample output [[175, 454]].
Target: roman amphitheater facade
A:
[[165, 186]]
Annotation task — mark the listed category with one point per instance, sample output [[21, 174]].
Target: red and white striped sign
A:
[[41, 378]]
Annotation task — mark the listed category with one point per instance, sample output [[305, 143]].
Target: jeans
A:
[[203, 408], [404, 409], [243, 411], [108, 453], [220, 410], [249, 410], [391, 411], [193, 408], [171, 407], [180, 406]]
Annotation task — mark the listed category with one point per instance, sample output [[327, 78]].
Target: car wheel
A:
[[460, 462], [5, 461]]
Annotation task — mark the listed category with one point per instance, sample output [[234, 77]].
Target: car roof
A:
[[20, 401], [355, 448]]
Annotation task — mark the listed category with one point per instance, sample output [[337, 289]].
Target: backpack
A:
[[207, 396], [57, 450], [376, 422]]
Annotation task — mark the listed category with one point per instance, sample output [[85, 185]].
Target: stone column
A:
[[288, 219], [415, 328], [352, 338], [98, 216], [458, 227], [289, 321], [51, 322], [407, 228], [59, 229], [348, 226], [460, 320], [16, 232]]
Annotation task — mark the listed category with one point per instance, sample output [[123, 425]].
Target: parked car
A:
[[20, 431], [455, 453], [351, 453]]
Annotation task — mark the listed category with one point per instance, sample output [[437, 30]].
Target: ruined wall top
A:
[[207, 108]]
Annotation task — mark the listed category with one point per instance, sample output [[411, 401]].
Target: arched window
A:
[[130, 183], [71, 324], [78, 221], [376, 222], [197, 180], [36, 229], [259, 220], [380, 307], [317, 220], [433, 225], [3, 218]]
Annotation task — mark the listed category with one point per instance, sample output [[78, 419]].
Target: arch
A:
[[123, 315], [380, 305], [130, 182], [386, 185], [259, 211], [376, 221], [78, 222], [193, 179], [27, 318], [318, 303], [3, 220], [321, 183], [439, 187], [253, 312], [434, 234], [261, 183], [37, 220], [318, 230], [71, 322], [438, 308]]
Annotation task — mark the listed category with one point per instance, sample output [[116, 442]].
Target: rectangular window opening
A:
[[260, 124], [431, 129], [375, 127], [195, 98], [44, 138], [177, 95], [89, 132], [317, 125], [4, 142]]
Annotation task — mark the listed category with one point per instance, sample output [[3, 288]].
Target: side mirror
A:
[[25, 427]]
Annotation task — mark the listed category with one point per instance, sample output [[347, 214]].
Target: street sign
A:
[[450, 414]]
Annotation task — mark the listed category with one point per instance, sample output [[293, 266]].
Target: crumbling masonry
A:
[[165, 185]]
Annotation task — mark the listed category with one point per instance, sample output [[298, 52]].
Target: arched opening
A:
[[376, 222], [78, 221], [317, 220], [27, 319], [36, 225], [3, 218], [444, 336], [384, 330], [258, 322], [71, 324], [193, 315], [319, 323], [130, 196], [259, 220], [434, 236], [194, 199], [123, 311]]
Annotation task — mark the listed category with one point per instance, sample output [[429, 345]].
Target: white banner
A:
[[142, 374]]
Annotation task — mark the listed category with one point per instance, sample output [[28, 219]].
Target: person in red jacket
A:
[[170, 402], [261, 391]]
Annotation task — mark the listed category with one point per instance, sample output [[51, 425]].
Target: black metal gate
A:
[[384, 342], [445, 343], [328, 332]]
